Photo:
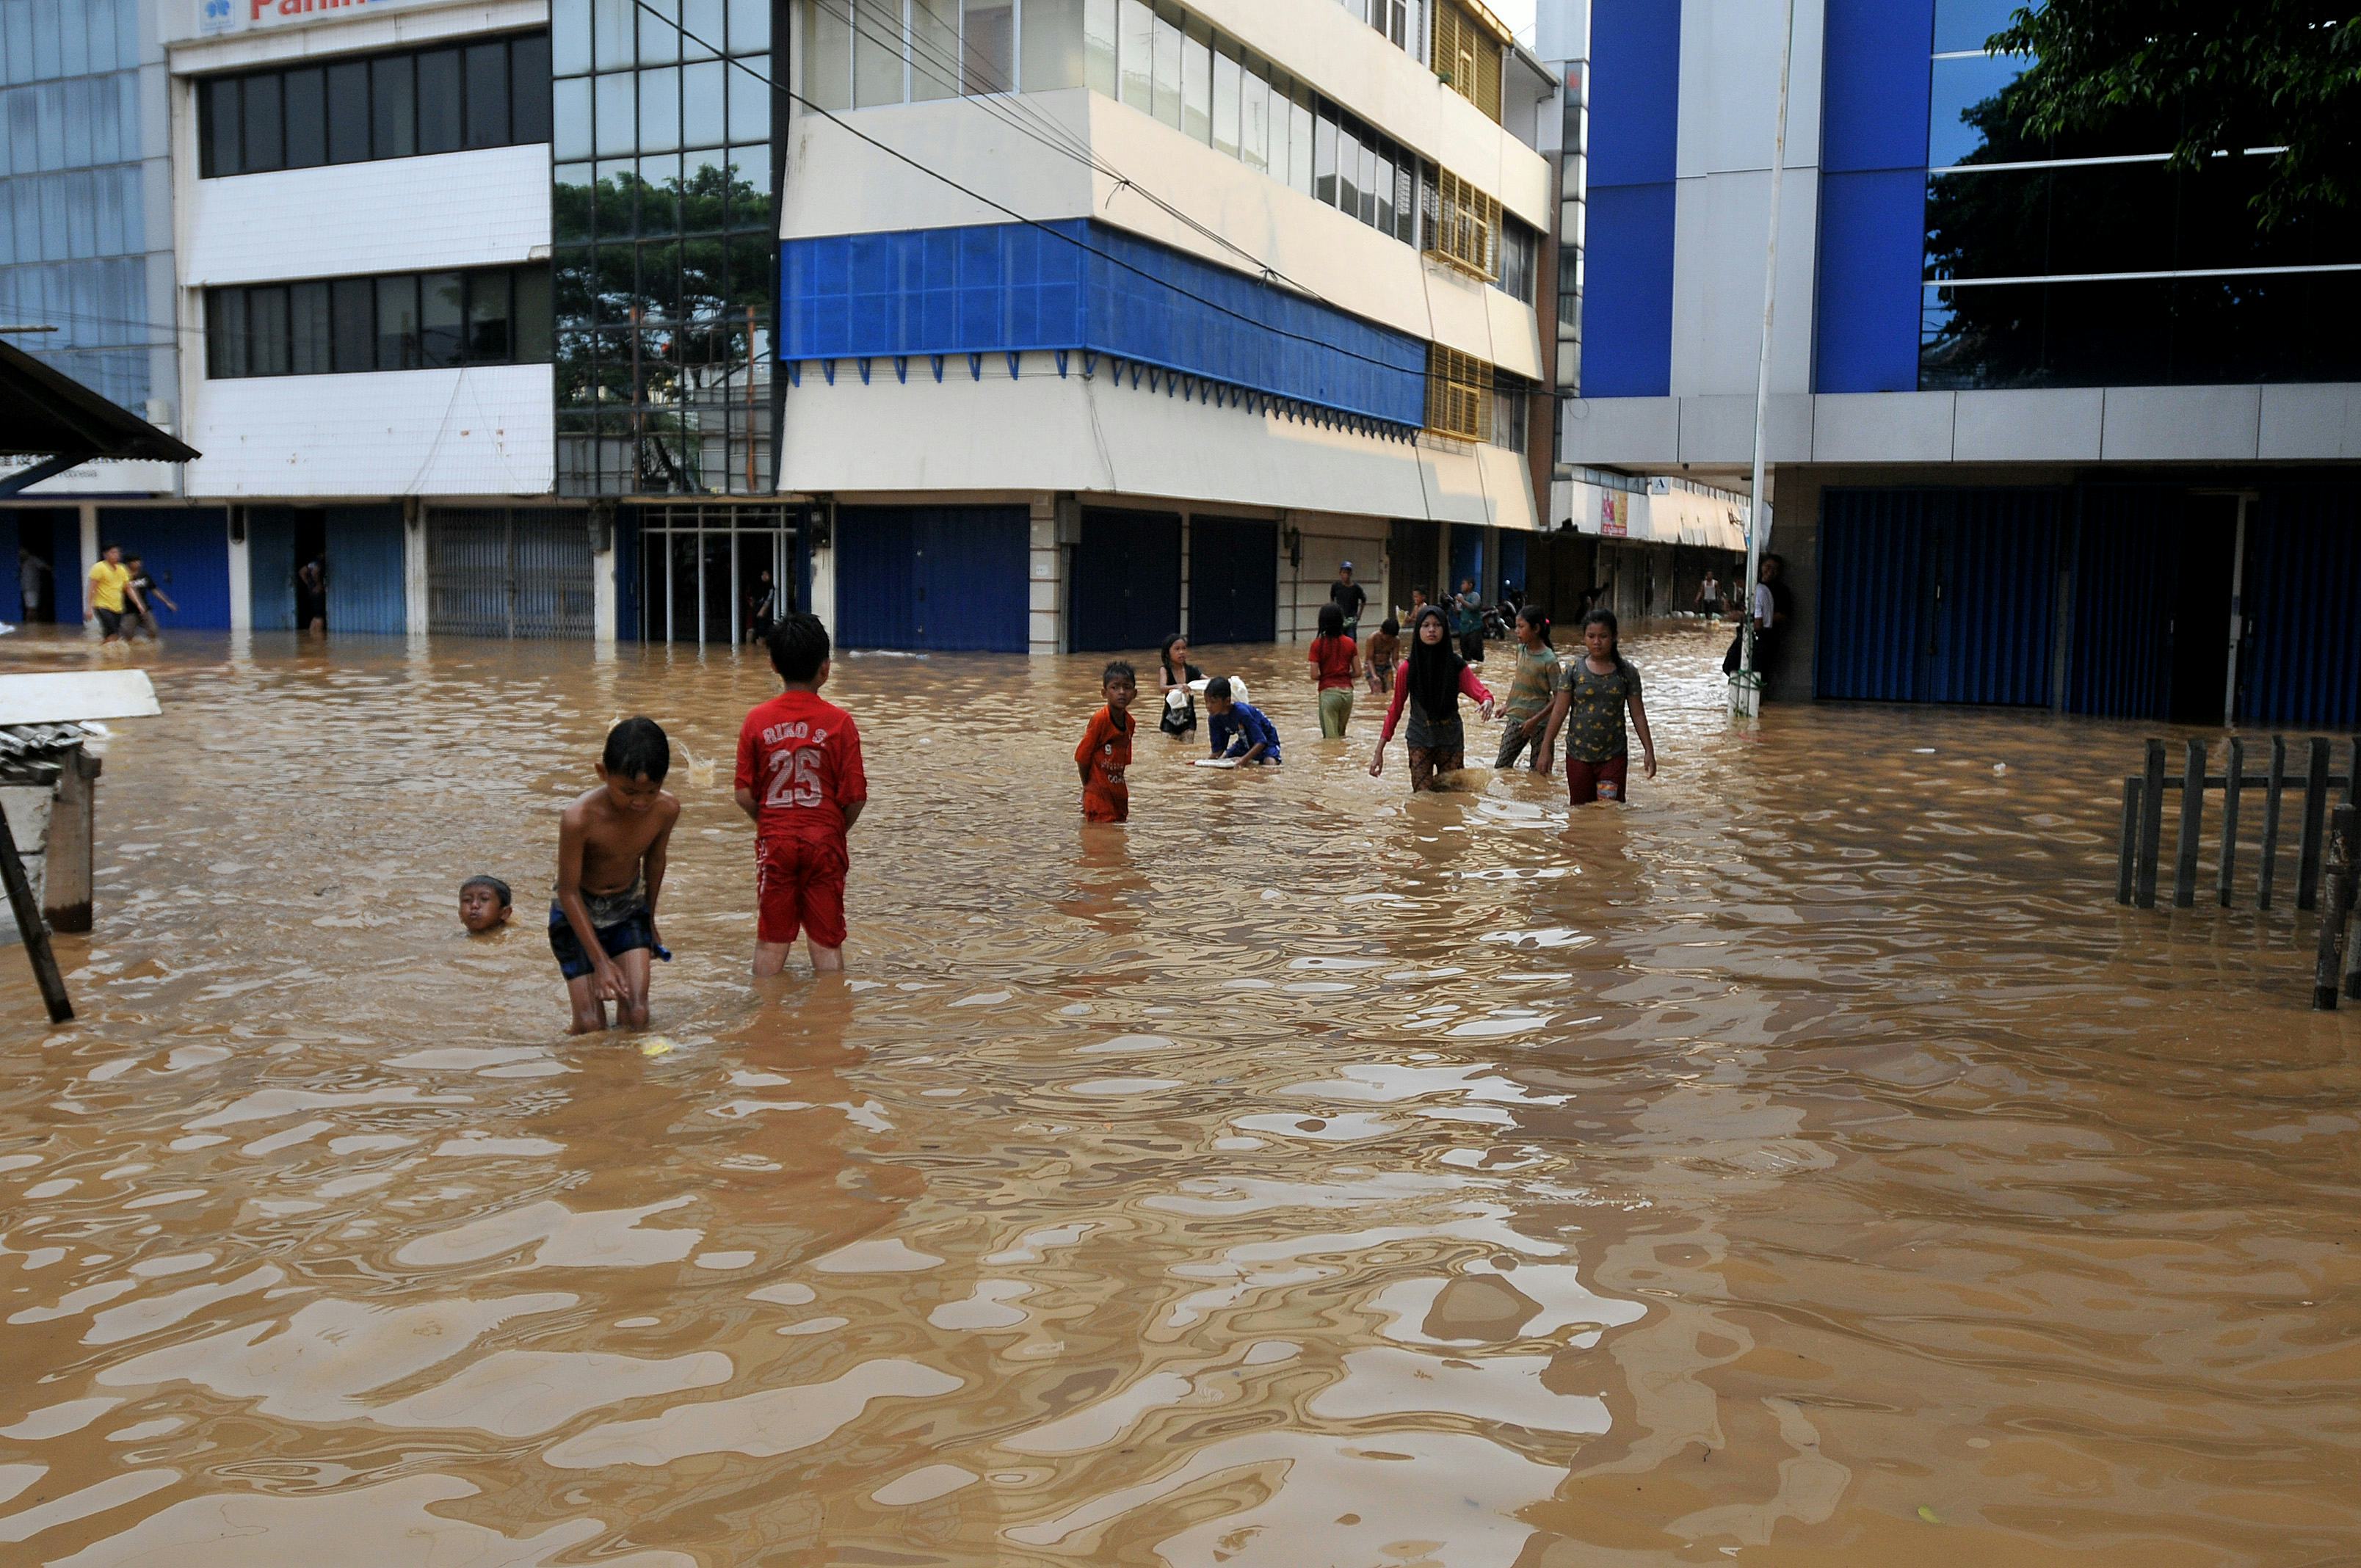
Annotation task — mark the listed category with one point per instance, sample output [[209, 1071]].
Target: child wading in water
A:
[[1240, 732], [1598, 687], [1179, 701], [1432, 681], [1336, 663], [1384, 651], [1533, 696], [484, 906], [1105, 752], [800, 778], [611, 846]]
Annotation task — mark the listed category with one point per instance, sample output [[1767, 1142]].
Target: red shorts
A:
[[1587, 782], [1105, 804], [799, 883]]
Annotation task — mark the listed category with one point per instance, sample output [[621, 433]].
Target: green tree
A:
[[2225, 73]]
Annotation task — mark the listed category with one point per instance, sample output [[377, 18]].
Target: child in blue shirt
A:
[[1239, 729]]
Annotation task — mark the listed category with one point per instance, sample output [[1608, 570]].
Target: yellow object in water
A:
[[657, 1047]]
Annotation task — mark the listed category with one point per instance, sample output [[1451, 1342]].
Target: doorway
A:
[[311, 588], [703, 571], [40, 532], [2199, 610]]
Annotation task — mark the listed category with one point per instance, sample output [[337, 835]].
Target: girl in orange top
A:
[[1105, 752]]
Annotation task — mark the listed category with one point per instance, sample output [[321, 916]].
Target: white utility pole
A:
[[1746, 687]]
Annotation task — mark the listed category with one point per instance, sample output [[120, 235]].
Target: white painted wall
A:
[[489, 431], [1047, 432], [485, 208]]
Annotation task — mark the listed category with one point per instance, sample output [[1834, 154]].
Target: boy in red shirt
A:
[[799, 777], [1105, 752]]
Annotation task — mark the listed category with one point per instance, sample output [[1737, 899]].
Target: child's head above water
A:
[[799, 650], [633, 766], [1120, 683], [1217, 694], [483, 904]]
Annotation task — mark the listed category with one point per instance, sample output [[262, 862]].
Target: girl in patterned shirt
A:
[[1590, 707]]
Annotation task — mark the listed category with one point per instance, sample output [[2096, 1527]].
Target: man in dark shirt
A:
[[1349, 596]]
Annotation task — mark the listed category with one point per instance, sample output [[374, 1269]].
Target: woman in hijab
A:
[[1432, 681]]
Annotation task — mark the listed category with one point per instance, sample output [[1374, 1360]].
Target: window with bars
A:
[[1458, 394], [1467, 55], [1463, 227]]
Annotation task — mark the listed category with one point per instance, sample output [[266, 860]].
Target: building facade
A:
[[2051, 423]]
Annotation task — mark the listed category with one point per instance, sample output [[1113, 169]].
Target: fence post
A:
[[2275, 789], [2151, 823], [2127, 855], [2315, 823], [2192, 827], [26, 908], [2327, 979], [2233, 770]]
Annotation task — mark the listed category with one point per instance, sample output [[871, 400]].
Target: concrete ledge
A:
[[2310, 422], [1884, 427], [2159, 424], [1622, 430], [2040, 425]]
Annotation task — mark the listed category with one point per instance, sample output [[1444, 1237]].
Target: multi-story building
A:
[[1106, 319], [2051, 423]]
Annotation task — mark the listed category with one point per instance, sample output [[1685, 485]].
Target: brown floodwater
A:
[[1809, 1164]]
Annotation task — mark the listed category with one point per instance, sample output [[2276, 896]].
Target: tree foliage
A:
[[2223, 73]]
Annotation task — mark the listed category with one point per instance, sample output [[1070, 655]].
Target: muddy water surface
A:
[[1809, 1164]]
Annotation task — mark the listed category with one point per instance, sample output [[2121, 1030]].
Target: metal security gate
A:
[[701, 570], [1126, 581], [1233, 581], [509, 572]]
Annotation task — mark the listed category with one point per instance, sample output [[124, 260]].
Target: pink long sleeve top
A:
[[1470, 688]]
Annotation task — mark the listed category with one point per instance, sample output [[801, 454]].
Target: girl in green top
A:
[[1598, 687], [1531, 694]]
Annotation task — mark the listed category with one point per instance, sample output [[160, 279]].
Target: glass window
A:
[[1300, 149], [659, 29], [489, 315], [612, 23], [750, 98], [701, 89], [618, 130], [442, 318], [397, 322], [1406, 202], [660, 194], [749, 26], [260, 123], [352, 327], [266, 332], [1053, 45], [309, 330], [704, 23], [934, 49], [619, 198], [1369, 204], [1167, 66], [1348, 169], [1197, 83], [307, 117], [528, 88], [439, 114], [1098, 46], [1382, 191], [990, 46], [828, 57], [1966, 24], [659, 108], [531, 321], [1254, 120], [1324, 160], [876, 51], [749, 181], [348, 112], [220, 154], [487, 95], [393, 107], [1958, 87], [1138, 57], [1226, 92], [226, 332], [569, 136], [569, 31]]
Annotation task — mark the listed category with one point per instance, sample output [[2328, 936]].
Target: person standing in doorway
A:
[[312, 594], [761, 610], [1774, 602], [1349, 598], [1709, 595], [1335, 663], [103, 598], [30, 570], [1467, 621]]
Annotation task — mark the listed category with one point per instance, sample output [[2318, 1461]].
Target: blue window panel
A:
[[1125, 587], [1232, 581], [186, 550], [1874, 107], [271, 567], [2304, 577], [945, 578], [1466, 559], [1635, 91], [366, 577], [1627, 302], [1869, 293], [998, 289], [1512, 559]]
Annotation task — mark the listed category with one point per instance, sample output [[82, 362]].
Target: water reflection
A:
[[1806, 1159]]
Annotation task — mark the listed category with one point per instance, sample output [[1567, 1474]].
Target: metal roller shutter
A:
[[1233, 581], [509, 572], [1126, 581]]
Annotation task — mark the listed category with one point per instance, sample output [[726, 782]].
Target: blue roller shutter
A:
[[366, 591], [186, 550], [947, 579], [1232, 581], [2302, 665], [271, 567], [2125, 556], [1125, 583]]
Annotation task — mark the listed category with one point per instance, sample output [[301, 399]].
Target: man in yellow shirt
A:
[[109, 579]]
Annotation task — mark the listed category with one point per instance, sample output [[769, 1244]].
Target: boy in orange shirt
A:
[[1105, 751], [800, 778]]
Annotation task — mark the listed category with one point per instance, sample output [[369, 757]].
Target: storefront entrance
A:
[[714, 573]]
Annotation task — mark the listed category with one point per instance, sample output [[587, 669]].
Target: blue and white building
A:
[[2051, 425]]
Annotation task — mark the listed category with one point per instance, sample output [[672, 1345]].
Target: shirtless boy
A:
[[611, 846]]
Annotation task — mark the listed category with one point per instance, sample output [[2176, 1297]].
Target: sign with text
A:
[[217, 17]]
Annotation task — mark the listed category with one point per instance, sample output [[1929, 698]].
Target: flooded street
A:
[[1807, 1165]]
